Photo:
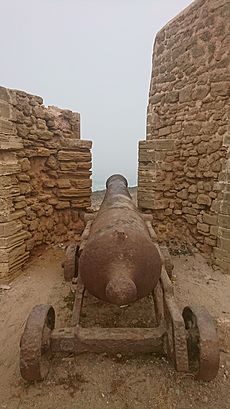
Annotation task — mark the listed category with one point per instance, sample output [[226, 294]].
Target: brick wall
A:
[[45, 183], [184, 165]]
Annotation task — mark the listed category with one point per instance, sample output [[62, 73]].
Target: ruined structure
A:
[[45, 183], [184, 165]]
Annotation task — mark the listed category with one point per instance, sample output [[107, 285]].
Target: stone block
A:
[[223, 243], [81, 203], [192, 189], [190, 210], [204, 199], [33, 224], [52, 162], [210, 218], [226, 140], [14, 240], [8, 167], [200, 92], [192, 161], [49, 183], [183, 194], [25, 188], [83, 145], [70, 167], [172, 97], [155, 99], [215, 207], [191, 128], [224, 233], [7, 127], [214, 230], [224, 221], [225, 207], [190, 219], [158, 144], [5, 95], [43, 152], [202, 227], [6, 111], [177, 127], [20, 205], [147, 155], [62, 205], [220, 89], [10, 228], [165, 131], [185, 94], [25, 164], [210, 242], [72, 193], [63, 183], [74, 156]]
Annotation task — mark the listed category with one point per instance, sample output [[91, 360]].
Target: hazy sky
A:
[[91, 56]]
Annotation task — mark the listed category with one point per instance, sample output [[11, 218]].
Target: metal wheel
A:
[[202, 342], [71, 262], [35, 343]]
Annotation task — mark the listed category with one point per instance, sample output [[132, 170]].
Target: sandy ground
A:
[[101, 381]]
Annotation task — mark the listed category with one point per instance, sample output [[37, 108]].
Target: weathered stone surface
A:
[[203, 227], [70, 167], [210, 218], [7, 127], [63, 183], [183, 194], [52, 162], [189, 106], [62, 205], [74, 156], [204, 199], [41, 160], [10, 228]]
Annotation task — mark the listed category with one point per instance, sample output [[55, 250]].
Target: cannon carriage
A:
[[119, 261]]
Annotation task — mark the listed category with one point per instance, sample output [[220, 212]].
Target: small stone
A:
[[204, 199], [5, 287]]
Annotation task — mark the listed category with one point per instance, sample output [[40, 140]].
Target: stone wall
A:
[[184, 165], [45, 183]]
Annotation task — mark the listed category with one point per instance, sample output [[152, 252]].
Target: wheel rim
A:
[[202, 343], [35, 343]]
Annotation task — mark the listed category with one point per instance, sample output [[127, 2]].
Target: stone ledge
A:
[[158, 144]]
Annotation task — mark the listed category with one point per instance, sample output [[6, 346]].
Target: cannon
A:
[[119, 261], [126, 264]]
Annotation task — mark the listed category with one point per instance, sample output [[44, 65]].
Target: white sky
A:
[[91, 56]]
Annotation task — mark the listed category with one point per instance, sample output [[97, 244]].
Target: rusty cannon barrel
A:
[[119, 263]]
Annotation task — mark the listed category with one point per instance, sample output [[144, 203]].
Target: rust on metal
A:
[[119, 263], [35, 342], [202, 342]]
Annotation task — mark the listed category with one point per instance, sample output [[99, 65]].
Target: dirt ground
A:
[[101, 381]]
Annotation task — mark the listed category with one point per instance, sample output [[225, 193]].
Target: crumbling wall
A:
[[184, 166], [45, 183]]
